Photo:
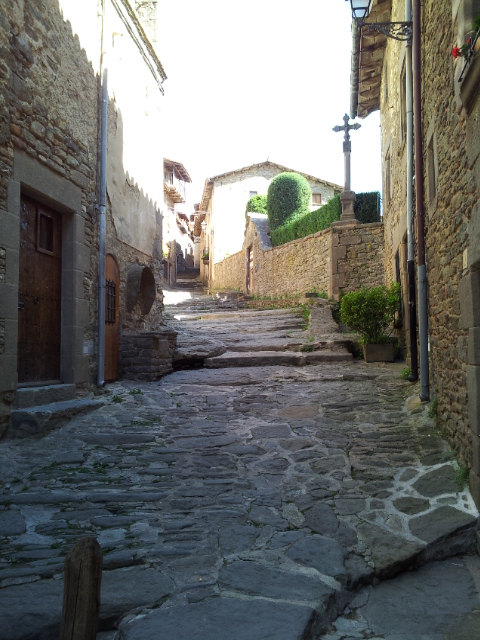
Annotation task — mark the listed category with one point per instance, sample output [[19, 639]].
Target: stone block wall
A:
[[447, 212], [49, 134], [360, 254], [451, 207], [231, 271], [147, 356], [344, 258], [48, 140], [296, 267]]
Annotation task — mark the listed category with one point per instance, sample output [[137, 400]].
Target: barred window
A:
[[111, 292]]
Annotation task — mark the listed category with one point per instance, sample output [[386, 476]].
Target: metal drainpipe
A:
[[421, 271], [102, 235], [412, 306]]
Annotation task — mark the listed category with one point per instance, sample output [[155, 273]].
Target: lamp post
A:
[[361, 9]]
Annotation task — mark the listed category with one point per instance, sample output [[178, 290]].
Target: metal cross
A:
[[347, 146]]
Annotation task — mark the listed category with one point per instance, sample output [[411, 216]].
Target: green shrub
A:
[[289, 197], [309, 223], [476, 24], [367, 207], [370, 312], [257, 204]]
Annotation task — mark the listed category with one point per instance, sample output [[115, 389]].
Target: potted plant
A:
[[371, 312], [205, 257]]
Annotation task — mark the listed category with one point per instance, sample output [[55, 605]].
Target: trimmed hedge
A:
[[257, 204], [367, 207], [310, 223], [366, 210], [289, 196]]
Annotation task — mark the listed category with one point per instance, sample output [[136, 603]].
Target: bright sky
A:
[[261, 79]]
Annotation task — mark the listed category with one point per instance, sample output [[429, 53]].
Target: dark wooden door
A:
[[112, 318], [39, 293], [250, 270]]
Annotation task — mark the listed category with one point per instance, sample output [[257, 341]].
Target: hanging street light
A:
[[361, 9]]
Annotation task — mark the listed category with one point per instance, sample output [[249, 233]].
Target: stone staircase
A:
[[188, 281], [40, 409], [219, 332]]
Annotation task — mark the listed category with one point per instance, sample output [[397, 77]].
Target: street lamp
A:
[[361, 9], [397, 30]]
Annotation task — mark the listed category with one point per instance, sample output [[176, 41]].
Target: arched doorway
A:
[[112, 318]]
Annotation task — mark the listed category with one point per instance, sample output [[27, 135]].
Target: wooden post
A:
[[81, 591]]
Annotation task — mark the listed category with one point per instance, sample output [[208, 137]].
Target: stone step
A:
[[35, 396], [38, 420], [276, 358]]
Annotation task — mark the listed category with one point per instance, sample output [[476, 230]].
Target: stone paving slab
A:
[[440, 601], [279, 358], [220, 618], [254, 500]]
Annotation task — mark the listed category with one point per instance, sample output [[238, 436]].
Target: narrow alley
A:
[[271, 487]]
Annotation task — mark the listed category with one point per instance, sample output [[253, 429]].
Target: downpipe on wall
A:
[[419, 183], [102, 234], [412, 306]]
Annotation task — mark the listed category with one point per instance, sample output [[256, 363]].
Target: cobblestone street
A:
[[246, 502]]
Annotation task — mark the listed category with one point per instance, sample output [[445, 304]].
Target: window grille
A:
[[111, 291]]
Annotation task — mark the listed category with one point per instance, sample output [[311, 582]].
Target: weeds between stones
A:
[[462, 475], [433, 408], [135, 391]]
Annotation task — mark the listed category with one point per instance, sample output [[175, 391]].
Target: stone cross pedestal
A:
[[347, 197]]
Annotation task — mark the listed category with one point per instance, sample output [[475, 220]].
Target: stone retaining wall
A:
[[361, 256], [231, 270], [149, 356], [343, 257]]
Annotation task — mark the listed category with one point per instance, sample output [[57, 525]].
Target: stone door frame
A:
[[32, 178]]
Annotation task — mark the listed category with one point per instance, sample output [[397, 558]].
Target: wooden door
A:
[[112, 318], [250, 270], [39, 293]]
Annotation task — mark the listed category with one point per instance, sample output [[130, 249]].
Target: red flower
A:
[[456, 52]]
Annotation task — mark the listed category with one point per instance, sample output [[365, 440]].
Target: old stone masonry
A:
[[283, 490]]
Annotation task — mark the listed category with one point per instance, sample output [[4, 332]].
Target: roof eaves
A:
[[179, 168], [368, 48], [279, 166]]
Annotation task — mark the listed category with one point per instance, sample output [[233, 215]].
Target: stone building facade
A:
[[336, 258], [177, 229], [451, 148], [51, 62], [224, 201]]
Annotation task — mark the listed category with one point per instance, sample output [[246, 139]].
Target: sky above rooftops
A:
[[261, 79]]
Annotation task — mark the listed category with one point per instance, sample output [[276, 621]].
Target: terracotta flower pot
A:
[[379, 352]]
